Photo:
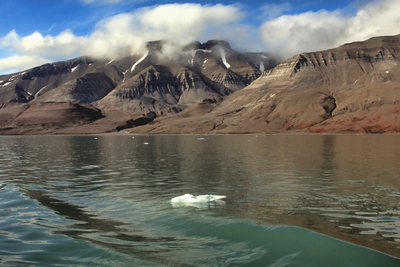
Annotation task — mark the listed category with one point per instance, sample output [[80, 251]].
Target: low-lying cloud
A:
[[280, 35]]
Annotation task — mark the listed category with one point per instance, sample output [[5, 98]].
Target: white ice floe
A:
[[140, 60], [200, 202]]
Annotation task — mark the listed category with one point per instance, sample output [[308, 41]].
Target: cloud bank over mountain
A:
[[289, 35], [280, 35]]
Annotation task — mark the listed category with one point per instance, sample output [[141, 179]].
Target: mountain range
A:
[[207, 88]]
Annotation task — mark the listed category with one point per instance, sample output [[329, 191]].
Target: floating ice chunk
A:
[[200, 202], [190, 198]]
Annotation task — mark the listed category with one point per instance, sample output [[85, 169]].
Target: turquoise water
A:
[[105, 200]]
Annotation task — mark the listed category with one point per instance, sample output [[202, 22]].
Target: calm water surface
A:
[[314, 200]]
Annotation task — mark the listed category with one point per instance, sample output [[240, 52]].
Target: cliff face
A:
[[354, 88]]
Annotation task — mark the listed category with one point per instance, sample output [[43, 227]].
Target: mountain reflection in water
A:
[[106, 199]]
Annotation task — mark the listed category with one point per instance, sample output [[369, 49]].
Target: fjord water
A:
[[105, 200]]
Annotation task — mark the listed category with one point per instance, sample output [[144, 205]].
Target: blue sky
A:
[[34, 32]]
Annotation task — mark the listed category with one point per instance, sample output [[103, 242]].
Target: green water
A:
[[105, 200]]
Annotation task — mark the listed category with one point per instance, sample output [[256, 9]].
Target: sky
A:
[[35, 32]]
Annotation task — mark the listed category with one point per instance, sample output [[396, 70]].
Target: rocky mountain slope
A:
[[118, 92], [210, 88], [354, 88]]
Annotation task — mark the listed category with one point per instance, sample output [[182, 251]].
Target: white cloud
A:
[[66, 44], [128, 33], [16, 63], [289, 35], [281, 35], [272, 11]]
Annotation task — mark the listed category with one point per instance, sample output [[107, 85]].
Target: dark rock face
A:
[[86, 89]]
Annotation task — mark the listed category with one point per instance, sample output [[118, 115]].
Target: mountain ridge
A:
[[210, 88], [350, 89]]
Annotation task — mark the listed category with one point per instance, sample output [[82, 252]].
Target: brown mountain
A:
[[354, 88], [120, 93], [210, 88]]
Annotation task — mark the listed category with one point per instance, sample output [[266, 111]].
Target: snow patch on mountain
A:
[[124, 73], [223, 57], [40, 90], [262, 67], [73, 69], [140, 60]]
